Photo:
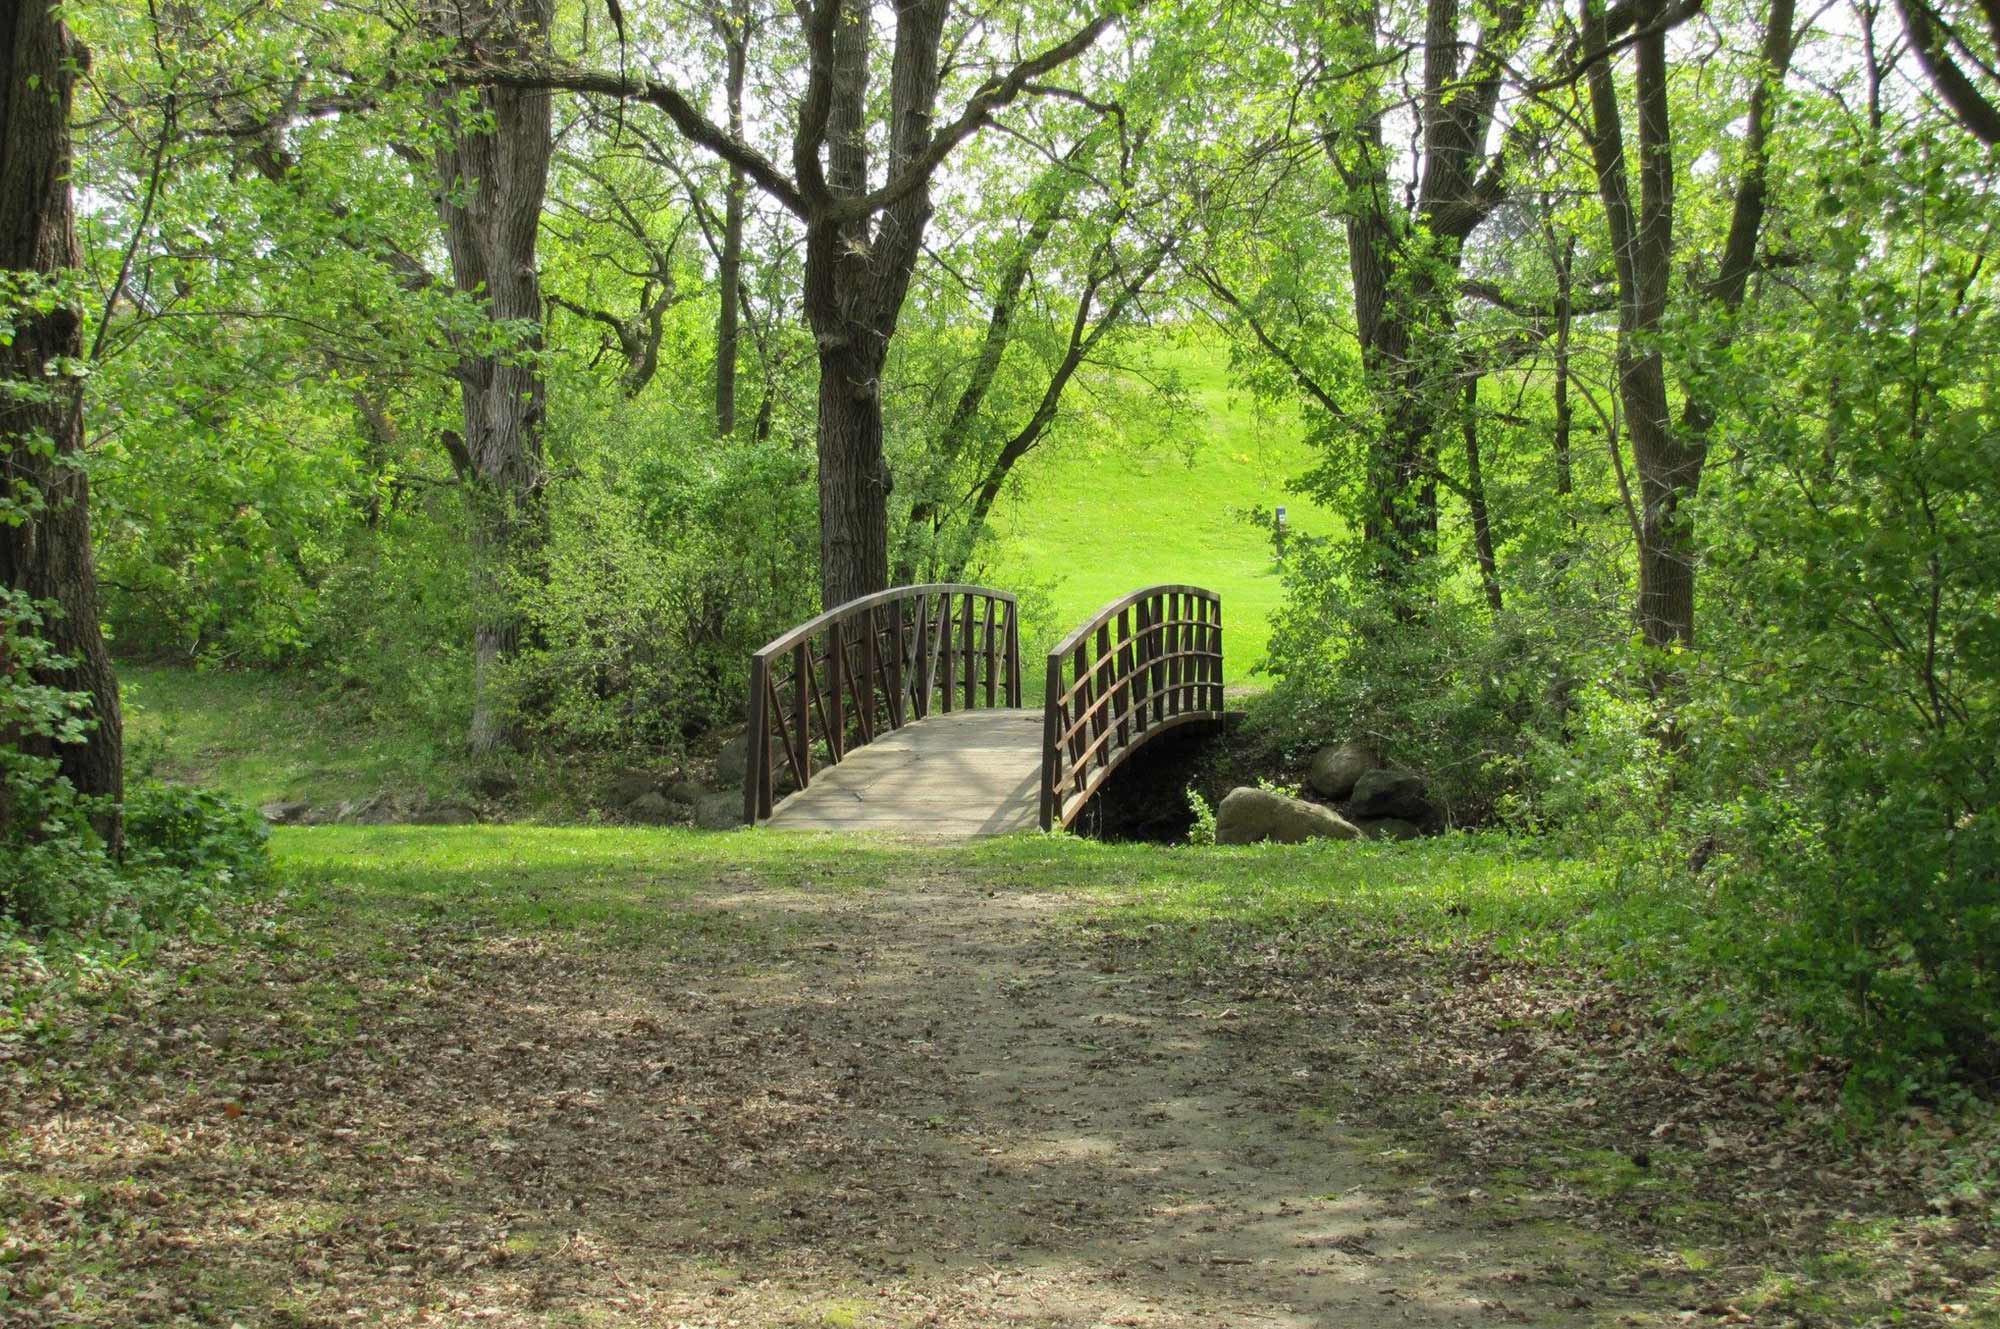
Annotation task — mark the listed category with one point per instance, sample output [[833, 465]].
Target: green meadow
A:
[[1088, 521]]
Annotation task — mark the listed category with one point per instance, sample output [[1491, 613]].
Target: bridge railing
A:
[[1142, 665], [861, 669]]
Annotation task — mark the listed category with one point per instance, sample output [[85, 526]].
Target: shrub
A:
[[1459, 693], [184, 848]]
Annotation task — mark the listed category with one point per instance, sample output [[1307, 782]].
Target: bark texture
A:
[[492, 179], [1669, 456], [48, 556], [733, 27], [1403, 259], [858, 269]]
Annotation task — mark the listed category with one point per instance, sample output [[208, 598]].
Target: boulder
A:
[[734, 755], [650, 807], [285, 812], [1389, 828], [1389, 794], [627, 786], [1335, 769], [495, 784], [719, 812], [685, 791], [445, 812], [1249, 815], [379, 809]]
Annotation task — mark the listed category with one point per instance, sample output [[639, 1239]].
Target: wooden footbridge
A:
[[901, 711]]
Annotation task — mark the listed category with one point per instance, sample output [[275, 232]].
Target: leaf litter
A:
[[947, 1104]]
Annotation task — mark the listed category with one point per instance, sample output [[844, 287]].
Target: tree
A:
[[1944, 50], [863, 239], [45, 547], [1402, 256], [1669, 456], [492, 174]]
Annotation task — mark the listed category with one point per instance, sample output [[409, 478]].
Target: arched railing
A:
[[1143, 665], [870, 666]]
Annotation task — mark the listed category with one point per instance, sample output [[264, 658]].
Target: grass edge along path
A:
[[1442, 1000]]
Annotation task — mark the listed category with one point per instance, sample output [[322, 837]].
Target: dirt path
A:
[[1110, 1154], [922, 1105]]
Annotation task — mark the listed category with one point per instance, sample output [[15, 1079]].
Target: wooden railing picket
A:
[[868, 667], [1146, 663], [990, 647]]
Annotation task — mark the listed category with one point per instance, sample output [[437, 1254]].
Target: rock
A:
[[685, 791], [445, 812], [1249, 815], [733, 756], [495, 784], [1389, 794], [285, 812], [730, 760], [719, 812], [627, 786], [1335, 769], [379, 809], [650, 807], [1389, 828]]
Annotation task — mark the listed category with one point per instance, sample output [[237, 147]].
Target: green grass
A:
[[262, 736], [630, 885], [1095, 521]]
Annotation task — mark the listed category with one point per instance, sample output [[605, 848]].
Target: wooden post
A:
[[1215, 638], [802, 703], [1079, 708], [1014, 653], [1107, 693], [836, 721], [896, 663], [864, 701], [923, 658], [968, 658], [1124, 702], [1051, 753], [947, 683], [991, 647], [757, 746]]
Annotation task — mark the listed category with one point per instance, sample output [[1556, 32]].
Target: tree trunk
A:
[[492, 178], [735, 31], [1475, 498], [1669, 459], [1403, 296], [853, 477], [1565, 413], [856, 277], [47, 555]]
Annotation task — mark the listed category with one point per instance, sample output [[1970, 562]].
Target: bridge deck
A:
[[955, 776]]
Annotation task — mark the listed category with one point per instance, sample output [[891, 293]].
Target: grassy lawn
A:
[[262, 736], [1095, 522], [623, 885]]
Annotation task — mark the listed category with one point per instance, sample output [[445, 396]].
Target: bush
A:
[[184, 848], [659, 580], [1459, 693]]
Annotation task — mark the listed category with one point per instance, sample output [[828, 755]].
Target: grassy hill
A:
[[1088, 522]]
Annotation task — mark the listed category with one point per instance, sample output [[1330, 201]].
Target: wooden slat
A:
[[802, 713], [947, 668], [990, 649], [834, 715], [1146, 663], [968, 658], [869, 668]]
